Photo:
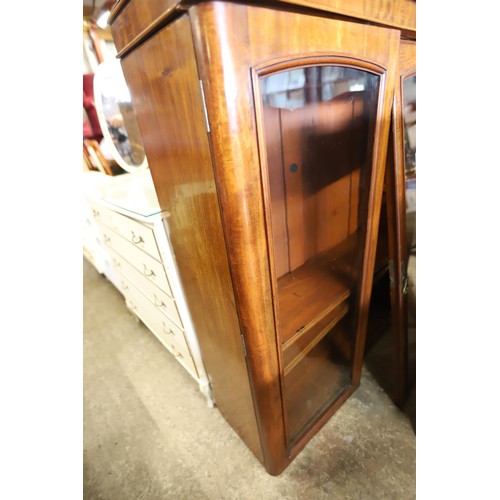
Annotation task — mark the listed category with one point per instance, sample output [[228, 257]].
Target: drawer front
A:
[[165, 330], [136, 233], [164, 304], [162, 301], [101, 214], [173, 337], [138, 278], [139, 234], [144, 263]]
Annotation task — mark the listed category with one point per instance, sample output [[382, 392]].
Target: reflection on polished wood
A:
[[133, 20]]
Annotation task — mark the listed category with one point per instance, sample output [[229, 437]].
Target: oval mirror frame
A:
[[111, 91]]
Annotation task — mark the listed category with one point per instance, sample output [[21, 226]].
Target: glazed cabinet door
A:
[[299, 113], [402, 174], [321, 121], [408, 110]]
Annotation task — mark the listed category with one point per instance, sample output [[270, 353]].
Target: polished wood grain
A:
[[407, 58], [116, 9], [133, 21], [222, 54], [163, 79], [395, 13], [225, 58]]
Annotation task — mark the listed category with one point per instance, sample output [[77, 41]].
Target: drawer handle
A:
[[107, 239], [95, 213], [136, 239], [159, 303], [178, 355], [116, 263], [148, 272], [170, 331], [124, 285]]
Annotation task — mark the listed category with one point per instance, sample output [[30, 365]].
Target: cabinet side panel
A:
[[163, 81]]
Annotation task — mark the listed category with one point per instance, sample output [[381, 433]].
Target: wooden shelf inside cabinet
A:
[[321, 377], [315, 290]]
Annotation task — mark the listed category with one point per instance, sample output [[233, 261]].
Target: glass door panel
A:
[[410, 137], [319, 127]]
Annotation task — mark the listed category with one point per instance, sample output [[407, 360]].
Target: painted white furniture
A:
[[134, 234], [94, 249]]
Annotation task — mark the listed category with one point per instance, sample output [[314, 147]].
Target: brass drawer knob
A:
[[169, 331], [148, 272], [137, 239]]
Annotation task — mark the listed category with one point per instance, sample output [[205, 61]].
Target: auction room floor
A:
[[149, 434]]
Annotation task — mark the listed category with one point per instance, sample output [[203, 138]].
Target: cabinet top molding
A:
[[137, 19]]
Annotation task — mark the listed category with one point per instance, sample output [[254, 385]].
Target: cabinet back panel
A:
[[272, 117], [172, 124], [314, 154]]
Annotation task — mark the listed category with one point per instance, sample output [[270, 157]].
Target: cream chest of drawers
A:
[[134, 234], [94, 248]]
